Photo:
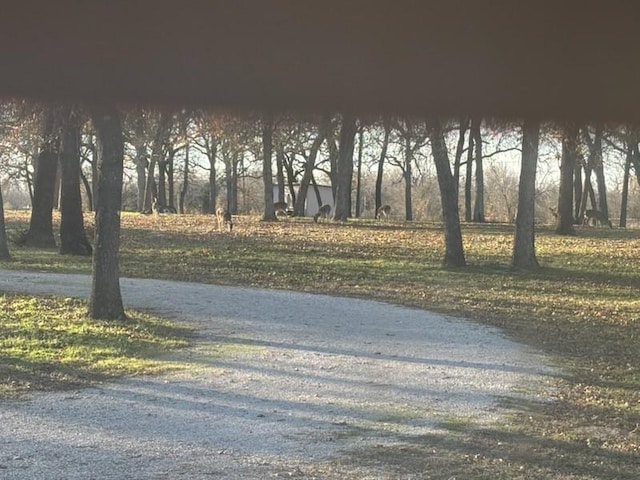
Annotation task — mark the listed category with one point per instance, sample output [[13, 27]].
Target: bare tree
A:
[[40, 233], [73, 238], [267, 159], [106, 299], [565, 224], [386, 123], [454, 251], [413, 136], [161, 133], [478, 209], [344, 170], [524, 252], [310, 165], [4, 244]]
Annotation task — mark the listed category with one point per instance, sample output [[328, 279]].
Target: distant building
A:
[[311, 206]]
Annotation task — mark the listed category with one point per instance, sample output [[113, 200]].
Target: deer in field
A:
[[597, 216], [281, 208], [383, 211], [224, 218], [323, 212], [157, 208]]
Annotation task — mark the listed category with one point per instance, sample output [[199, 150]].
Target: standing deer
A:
[[597, 217], [383, 211], [224, 218], [323, 212]]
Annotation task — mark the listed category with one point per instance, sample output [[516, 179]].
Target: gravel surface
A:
[[280, 385]]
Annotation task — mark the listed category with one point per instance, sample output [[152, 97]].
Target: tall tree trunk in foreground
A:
[[524, 251], [40, 233], [344, 173], [454, 251], [565, 225], [73, 238], [106, 299]]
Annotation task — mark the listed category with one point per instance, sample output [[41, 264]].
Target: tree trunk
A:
[[359, 171], [565, 225], [603, 206], [309, 166], [73, 238], [407, 174], [524, 251], [231, 181], [213, 187], [454, 251], [280, 173], [141, 161], [578, 188], [381, 161], [4, 244], [625, 187], [334, 153], [316, 190], [161, 191], [344, 171], [464, 125], [185, 180], [468, 183], [106, 299], [40, 233], [170, 179], [162, 130], [291, 177], [87, 189], [267, 175], [478, 210]]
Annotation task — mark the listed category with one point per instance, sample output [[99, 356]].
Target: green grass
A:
[[582, 307], [49, 343]]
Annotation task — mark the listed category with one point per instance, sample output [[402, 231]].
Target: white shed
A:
[[311, 206]]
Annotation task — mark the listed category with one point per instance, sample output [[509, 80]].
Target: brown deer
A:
[[597, 217], [280, 208], [157, 208], [383, 211], [224, 218], [323, 212]]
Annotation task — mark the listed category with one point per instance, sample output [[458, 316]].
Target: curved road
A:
[[279, 384]]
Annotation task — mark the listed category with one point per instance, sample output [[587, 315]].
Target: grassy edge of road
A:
[[49, 343], [581, 307]]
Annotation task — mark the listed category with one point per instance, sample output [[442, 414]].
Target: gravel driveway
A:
[[281, 385]]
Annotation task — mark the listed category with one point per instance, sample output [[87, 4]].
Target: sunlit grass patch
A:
[[48, 343]]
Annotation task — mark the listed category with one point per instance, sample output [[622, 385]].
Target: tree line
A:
[[59, 150]]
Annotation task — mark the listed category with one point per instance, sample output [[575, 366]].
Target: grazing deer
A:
[[383, 211], [323, 212], [597, 217], [280, 207], [224, 218], [163, 208]]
